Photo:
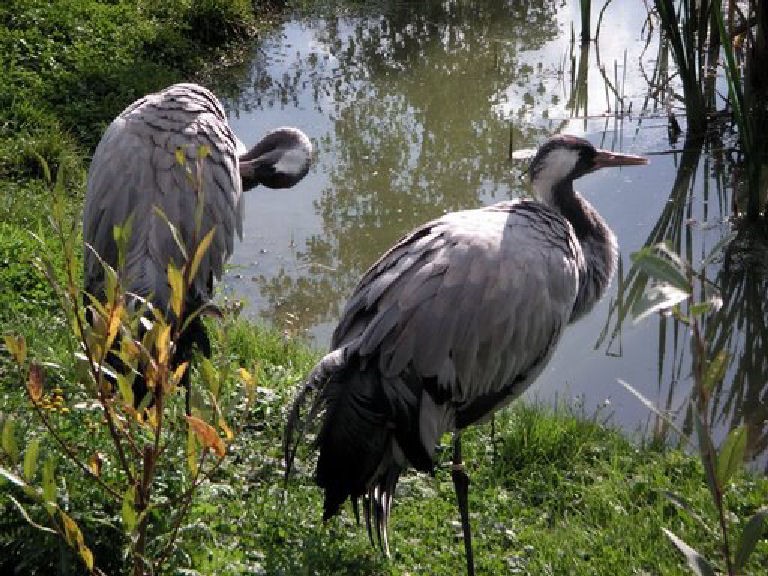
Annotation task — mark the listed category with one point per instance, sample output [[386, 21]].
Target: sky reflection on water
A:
[[412, 114]]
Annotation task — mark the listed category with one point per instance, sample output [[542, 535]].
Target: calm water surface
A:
[[413, 110]]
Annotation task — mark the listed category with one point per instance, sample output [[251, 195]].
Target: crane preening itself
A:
[[451, 324], [154, 161]]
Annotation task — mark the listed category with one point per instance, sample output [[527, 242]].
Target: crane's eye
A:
[[586, 160]]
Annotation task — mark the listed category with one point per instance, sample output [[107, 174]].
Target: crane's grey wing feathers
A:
[[472, 300], [135, 169]]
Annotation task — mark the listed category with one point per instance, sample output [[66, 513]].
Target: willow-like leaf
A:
[[210, 375], [17, 347], [667, 269], [30, 459], [122, 236], [125, 387], [731, 455], [191, 451], [206, 435], [49, 479], [9, 444], [657, 298], [176, 282], [201, 250], [715, 371], [128, 509], [174, 231], [696, 562], [749, 537]]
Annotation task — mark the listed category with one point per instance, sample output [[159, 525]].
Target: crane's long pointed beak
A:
[[606, 158]]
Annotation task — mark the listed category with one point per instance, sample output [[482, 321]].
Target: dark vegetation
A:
[[705, 36]]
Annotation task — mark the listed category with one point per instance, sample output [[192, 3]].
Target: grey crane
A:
[[147, 164], [451, 324]]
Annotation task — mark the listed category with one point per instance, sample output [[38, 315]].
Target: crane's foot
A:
[[461, 485]]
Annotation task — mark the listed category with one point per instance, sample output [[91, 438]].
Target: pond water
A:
[[413, 109]]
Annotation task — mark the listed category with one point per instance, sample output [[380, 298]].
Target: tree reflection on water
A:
[[413, 135], [423, 100]]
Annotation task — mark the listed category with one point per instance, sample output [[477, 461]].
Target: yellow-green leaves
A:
[[122, 236], [250, 384], [191, 451], [49, 480], [176, 282], [30, 459], [181, 157], [200, 251], [163, 345], [17, 346], [114, 322], [210, 376], [206, 435], [714, 372], [10, 447], [124, 386], [128, 509], [94, 464], [177, 276], [74, 537], [178, 373]]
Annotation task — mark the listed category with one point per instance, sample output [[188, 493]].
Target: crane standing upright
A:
[[155, 160], [450, 325]]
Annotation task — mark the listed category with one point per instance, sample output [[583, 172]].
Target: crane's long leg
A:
[[461, 484]]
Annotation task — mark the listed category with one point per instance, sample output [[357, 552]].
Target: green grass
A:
[[68, 68], [564, 495]]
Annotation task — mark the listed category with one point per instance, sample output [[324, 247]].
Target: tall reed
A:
[[586, 12], [698, 34], [685, 28]]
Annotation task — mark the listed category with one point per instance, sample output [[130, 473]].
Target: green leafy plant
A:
[[672, 284], [147, 461]]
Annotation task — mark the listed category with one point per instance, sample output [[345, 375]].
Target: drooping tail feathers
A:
[[355, 438]]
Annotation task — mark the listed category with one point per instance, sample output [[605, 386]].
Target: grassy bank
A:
[[68, 67], [561, 495]]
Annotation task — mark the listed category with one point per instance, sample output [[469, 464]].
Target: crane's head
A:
[[279, 160], [563, 158]]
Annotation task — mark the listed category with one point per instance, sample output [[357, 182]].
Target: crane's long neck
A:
[[598, 244]]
